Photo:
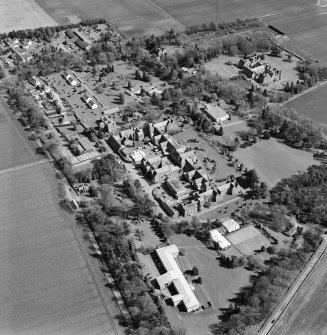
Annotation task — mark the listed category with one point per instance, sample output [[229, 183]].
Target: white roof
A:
[[216, 112], [220, 239], [175, 275], [231, 225]]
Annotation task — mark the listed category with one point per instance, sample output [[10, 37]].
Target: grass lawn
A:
[[312, 104], [273, 160], [219, 284], [146, 17], [219, 66]]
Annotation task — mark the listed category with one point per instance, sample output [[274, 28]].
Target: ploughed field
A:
[[45, 285], [306, 314], [22, 14], [156, 16], [306, 31]]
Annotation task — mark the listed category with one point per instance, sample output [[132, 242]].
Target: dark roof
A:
[[83, 45], [70, 33]]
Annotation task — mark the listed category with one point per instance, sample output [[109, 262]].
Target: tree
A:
[[251, 177], [195, 271], [121, 98], [129, 85], [137, 75], [200, 280]]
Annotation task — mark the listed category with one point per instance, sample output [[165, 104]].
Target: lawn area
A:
[[312, 105], [218, 66], [46, 287], [146, 17], [23, 14], [219, 284], [273, 160]]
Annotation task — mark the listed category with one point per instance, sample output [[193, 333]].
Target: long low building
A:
[[174, 275], [219, 239]]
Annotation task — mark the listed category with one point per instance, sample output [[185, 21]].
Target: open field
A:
[[156, 16], [312, 104], [22, 14], [133, 17], [274, 160], [218, 286], [46, 286], [307, 31], [306, 312], [248, 240]]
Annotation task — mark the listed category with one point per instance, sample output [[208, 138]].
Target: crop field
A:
[[248, 240], [306, 31], [306, 314], [45, 286], [274, 160], [156, 16], [312, 104], [22, 14]]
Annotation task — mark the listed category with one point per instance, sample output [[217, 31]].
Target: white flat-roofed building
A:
[[92, 104], [175, 276], [71, 81], [218, 238], [215, 113], [231, 225]]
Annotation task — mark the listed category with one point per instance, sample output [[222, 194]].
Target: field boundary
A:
[[292, 291]]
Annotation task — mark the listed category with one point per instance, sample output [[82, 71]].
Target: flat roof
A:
[[175, 275], [215, 112], [219, 238], [231, 225]]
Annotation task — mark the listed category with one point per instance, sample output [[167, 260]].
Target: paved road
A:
[[315, 263]]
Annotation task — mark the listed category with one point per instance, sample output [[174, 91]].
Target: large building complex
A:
[[174, 276], [261, 72]]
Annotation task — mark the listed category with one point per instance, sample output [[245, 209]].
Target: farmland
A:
[[274, 160], [45, 284], [306, 31], [146, 17], [23, 14], [306, 313], [312, 104]]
